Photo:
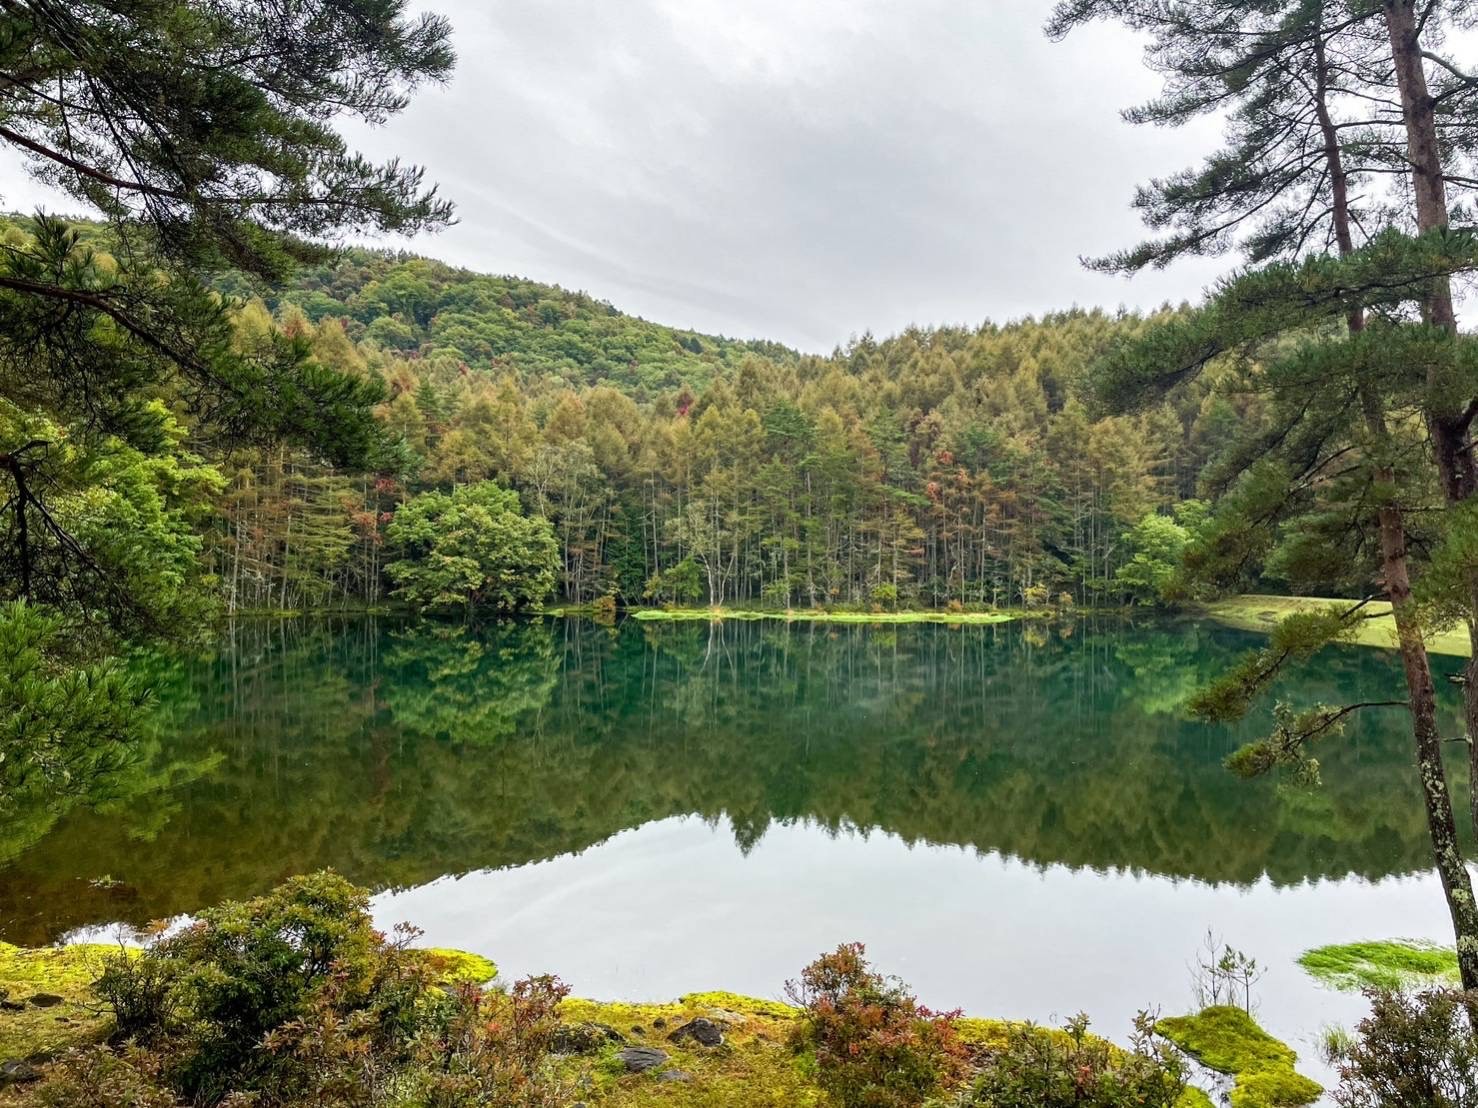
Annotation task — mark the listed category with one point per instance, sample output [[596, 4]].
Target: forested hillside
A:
[[935, 466], [416, 306], [938, 466]]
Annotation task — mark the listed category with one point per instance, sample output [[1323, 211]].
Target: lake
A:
[[1018, 819]]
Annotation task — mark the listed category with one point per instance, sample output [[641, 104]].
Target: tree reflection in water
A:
[[399, 754]]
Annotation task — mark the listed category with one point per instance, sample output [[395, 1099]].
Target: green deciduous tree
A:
[[472, 549], [1157, 543]]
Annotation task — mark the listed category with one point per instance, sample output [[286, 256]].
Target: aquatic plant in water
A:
[[1387, 964]]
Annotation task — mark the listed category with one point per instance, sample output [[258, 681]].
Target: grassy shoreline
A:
[[758, 1063], [812, 615], [1254, 612]]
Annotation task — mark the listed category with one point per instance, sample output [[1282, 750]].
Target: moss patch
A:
[[458, 967], [67, 972], [1229, 1041], [1260, 613], [811, 615], [1391, 964], [755, 1065]]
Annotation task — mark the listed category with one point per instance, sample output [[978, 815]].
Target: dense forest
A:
[[937, 466]]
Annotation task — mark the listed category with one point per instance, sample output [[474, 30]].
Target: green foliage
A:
[[1157, 543], [1075, 1069], [678, 584], [1411, 1051], [1393, 964], [472, 549], [205, 136], [1228, 1040], [214, 993], [62, 725], [215, 127], [105, 532], [874, 1045], [885, 596]]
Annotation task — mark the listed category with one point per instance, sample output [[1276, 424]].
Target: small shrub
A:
[[304, 957], [875, 1045], [884, 596], [776, 594], [1072, 1068], [603, 609], [141, 993], [492, 1048], [1412, 1051], [294, 998], [93, 1076]]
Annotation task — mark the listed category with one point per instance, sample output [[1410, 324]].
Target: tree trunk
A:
[[1449, 434]]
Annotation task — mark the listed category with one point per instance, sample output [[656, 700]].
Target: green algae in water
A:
[[1388, 964], [1229, 1041]]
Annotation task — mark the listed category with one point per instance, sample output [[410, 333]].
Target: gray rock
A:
[[674, 1075], [16, 1071], [46, 1000], [702, 1031], [640, 1059]]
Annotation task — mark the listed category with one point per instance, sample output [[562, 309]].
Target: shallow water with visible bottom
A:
[[1019, 820]]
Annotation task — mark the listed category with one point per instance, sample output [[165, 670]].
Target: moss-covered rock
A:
[[458, 967], [1229, 1041], [1390, 964]]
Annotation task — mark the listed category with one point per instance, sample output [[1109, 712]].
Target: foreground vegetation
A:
[[293, 999]]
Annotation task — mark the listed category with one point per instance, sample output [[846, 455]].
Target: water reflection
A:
[[398, 755]]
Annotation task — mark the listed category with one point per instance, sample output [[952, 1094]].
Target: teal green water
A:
[[400, 755]]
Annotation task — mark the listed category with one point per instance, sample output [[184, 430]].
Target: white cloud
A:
[[794, 169]]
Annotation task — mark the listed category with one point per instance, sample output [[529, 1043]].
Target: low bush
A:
[[246, 973], [1412, 1051], [492, 1048], [1071, 1068], [295, 999], [874, 1045], [94, 1076]]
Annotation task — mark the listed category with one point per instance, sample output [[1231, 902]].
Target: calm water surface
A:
[[1018, 819]]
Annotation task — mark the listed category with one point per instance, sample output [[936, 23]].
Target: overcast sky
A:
[[802, 170]]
